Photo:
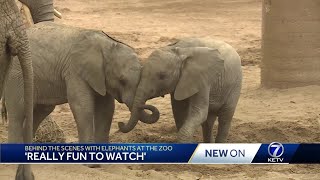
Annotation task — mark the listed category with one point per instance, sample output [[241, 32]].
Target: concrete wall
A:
[[290, 43]]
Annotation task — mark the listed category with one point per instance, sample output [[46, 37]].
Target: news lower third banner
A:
[[202, 153]]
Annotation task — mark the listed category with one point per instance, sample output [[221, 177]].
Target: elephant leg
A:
[[14, 103], [207, 127], [81, 101], [226, 114], [224, 119], [104, 109], [4, 66], [16, 121], [40, 112], [179, 110], [15, 135], [197, 114], [15, 126]]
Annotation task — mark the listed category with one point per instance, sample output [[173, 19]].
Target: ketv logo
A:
[[275, 150]]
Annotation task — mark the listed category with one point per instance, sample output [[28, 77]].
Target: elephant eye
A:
[[162, 75], [122, 81]]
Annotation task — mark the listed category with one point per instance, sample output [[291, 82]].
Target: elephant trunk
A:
[[137, 112], [41, 10], [24, 56], [150, 118], [20, 46], [134, 118]]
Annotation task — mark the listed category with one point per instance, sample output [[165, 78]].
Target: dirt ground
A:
[[262, 116]]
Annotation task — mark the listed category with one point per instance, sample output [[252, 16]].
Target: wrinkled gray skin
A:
[[85, 68], [14, 42], [204, 80], [41, 10]]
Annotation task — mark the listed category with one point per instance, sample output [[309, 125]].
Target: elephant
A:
[[14, 42], [41, 10], [83, 67], [203, 77]]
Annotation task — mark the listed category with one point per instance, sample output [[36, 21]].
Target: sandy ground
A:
[[288, 115]]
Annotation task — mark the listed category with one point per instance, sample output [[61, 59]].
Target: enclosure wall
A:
[[290, 43]]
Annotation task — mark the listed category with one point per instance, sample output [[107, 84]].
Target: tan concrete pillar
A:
[[290, 43]]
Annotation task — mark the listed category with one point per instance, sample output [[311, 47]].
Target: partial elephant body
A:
[[49, 75], [204, 79], [229, 80], [14, 42], [41, 10], [85, 68], [223, 97]]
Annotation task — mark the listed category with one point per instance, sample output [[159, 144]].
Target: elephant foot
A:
[[185, 140], [93, 165], [24, 173], [184, 136]]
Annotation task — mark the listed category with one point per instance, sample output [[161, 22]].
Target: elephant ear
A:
[[88, 61], [200, 66]]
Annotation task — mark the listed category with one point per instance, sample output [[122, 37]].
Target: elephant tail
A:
[[4, 110]]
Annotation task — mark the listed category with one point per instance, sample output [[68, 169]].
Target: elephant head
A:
[[14, 42], [41, 10], [180, 71], [109, 66]]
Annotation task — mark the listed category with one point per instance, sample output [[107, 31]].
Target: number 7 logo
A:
[[275, 149]]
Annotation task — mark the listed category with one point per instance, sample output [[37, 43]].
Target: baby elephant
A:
[[203, 78], [82, 67]]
